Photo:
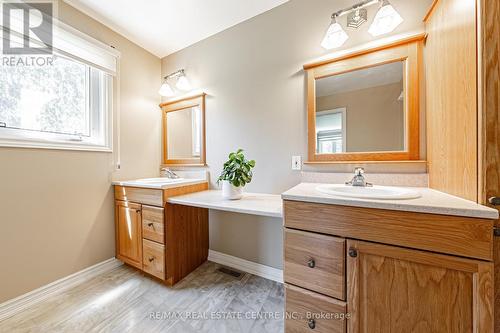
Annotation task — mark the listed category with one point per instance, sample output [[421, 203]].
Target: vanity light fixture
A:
[[385, 21], [357, 17], [181, 84], [335, 35], [166, 90]]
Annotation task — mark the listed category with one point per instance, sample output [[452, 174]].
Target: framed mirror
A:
[[184, 131], [366, 106]]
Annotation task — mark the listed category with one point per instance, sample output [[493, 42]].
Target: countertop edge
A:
[[391, 206]]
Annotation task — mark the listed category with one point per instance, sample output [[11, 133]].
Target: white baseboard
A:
[[18, 304], [254, 268]]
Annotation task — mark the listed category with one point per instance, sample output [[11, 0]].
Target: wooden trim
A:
[[172, 101], [411, 53], [186, 165], [489, 122], [176, 105], [398, 42], [430, 10]]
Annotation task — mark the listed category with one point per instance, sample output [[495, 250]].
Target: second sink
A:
[[372, 192]]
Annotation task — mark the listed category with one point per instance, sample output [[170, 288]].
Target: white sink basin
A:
[[162, 180], [374, 192]]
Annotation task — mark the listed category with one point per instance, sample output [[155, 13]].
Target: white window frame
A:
[[76, 46], [97, 106]]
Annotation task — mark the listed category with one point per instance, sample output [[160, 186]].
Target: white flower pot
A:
[[231, 192]]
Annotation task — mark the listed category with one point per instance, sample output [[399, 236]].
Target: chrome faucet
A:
[[359, 178], [169, 173]]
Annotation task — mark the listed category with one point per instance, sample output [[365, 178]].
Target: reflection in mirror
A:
[[361, 110], [184, 133]]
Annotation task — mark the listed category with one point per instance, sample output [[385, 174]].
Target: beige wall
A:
[[374, 116], [57, 206], [253, 75]]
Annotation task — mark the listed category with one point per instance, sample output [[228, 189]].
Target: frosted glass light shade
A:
[[335, 36], [183, 83], [385, 21], [166, 90]]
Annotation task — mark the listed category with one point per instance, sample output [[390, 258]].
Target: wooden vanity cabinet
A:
[[426, 286], [158, 238], [128, 226]]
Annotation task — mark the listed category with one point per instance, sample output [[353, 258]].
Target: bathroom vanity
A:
[[163, 240], [417, 265]]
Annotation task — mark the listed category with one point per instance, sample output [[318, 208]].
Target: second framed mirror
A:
[[365, 107]]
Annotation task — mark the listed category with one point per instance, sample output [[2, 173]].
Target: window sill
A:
[[4, 143]]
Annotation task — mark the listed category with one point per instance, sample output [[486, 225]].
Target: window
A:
[[331, 131], [63, 98], [64, 103]]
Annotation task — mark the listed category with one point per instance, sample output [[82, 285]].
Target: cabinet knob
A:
[[138, 211], [150, 224], [353, 253], [311, 263], [495, 201], [311, 323], [151, 259]]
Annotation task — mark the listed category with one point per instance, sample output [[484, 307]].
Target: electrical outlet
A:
[[296, 163]]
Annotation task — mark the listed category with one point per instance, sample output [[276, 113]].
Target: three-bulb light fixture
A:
[[385, 21], [181, 84]]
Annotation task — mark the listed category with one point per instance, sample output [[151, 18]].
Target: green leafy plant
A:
[[237, 170]]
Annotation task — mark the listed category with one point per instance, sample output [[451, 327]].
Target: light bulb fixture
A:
[[335, 35], [386, 20], [166, 90], [181, 84]]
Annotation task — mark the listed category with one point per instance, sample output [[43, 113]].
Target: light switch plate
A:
[[296, 163]]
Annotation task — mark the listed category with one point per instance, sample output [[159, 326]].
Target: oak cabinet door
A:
[[128, 233], [392, 289]]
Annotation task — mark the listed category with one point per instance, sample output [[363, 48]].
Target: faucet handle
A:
[[359, 171]]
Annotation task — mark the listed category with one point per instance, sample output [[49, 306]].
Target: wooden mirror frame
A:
[[181, 104], [409, 51]]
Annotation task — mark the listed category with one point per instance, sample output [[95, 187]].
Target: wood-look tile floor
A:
[[124, 300]]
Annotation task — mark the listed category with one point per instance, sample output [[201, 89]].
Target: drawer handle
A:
[[353, 252], [311, 323], [311, 263], [150, 224], [151, 259]]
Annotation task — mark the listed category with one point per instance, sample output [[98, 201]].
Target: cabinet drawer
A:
[[152, 224], [145, 196], [311, 312], [315, 262], [153, 258]]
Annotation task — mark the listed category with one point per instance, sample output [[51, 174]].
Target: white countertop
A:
[[431, 201], [145, 183], [251, 203]]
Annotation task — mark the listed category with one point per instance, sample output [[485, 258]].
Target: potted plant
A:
[[237, 172]]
